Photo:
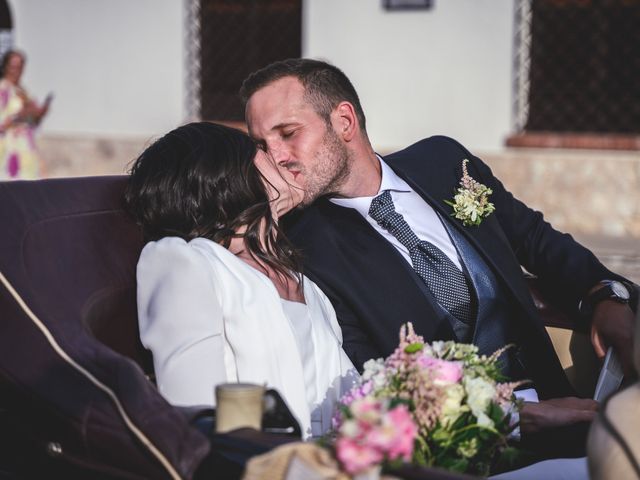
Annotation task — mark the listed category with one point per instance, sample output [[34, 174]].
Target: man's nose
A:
[[280, 155]]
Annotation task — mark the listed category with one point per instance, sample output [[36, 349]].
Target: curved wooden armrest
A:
[[571, 342], [550, 315]]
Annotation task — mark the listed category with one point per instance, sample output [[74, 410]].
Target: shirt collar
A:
[[390, 181]]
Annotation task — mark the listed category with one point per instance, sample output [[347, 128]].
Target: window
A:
[[237, 37], [581, 62]]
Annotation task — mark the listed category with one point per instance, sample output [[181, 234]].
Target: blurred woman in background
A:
[[19, 116]]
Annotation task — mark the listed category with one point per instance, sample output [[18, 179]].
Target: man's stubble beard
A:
[[330, 170]]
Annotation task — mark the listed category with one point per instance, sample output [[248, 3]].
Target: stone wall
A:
[[594, 195], [66, 156], [583, 191]]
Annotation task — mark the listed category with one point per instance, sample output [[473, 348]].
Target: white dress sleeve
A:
[[181, 321]]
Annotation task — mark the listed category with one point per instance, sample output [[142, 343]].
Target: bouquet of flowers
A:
[[438, 404]]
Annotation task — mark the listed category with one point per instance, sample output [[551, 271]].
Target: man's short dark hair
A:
[[325, 85]]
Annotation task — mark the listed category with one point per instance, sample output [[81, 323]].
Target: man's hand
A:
[[612, 326], [535, 417]]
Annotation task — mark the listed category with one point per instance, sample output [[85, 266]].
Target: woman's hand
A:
[[29, 113]]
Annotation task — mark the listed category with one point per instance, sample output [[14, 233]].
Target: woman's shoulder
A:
[[311, 288], [176, 250], [312, 285], [178, 245], [176, 253]]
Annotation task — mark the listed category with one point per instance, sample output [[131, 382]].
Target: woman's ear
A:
[[345, 121]]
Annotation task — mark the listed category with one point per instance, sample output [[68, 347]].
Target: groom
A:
[[378, 237]]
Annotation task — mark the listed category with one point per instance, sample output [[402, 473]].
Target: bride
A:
[[220, 293]]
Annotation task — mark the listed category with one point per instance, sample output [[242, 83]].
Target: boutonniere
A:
[[471, 201]]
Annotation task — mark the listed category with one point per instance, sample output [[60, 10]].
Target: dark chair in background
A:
[[73, 390], [75, 383]]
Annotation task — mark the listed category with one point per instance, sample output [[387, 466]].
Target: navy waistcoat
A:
[[494, 326]]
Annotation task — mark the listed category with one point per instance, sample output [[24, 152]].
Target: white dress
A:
[[209, 318]]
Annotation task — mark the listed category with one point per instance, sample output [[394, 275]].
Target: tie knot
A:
[[383, 211], [381, 207]]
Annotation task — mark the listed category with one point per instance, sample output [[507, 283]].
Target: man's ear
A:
[[345, 121]]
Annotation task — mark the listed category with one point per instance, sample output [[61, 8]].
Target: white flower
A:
[[374, 370], [372, 367], [471, 201], [479, 393], [437, 347], [484, 420], [452, 406], [350, 428]]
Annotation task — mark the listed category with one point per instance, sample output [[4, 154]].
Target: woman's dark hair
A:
[[200, 180], [7, 56]]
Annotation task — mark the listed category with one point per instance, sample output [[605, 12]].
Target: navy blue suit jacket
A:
[[374, 290]]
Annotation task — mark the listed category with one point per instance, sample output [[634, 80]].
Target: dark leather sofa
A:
[[76, 396]]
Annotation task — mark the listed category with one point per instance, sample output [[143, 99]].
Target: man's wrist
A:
[[615, 290]]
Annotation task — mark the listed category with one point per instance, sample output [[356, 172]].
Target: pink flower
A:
[[374, 434], [406, 431], [366, 409], [356, 457], [384, 436], [444, 371], [396, 434], [357, 393]]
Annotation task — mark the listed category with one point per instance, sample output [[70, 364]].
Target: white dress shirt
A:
[[421, 217], [208, 318]]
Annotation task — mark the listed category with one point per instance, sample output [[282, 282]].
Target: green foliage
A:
[[414, 347]]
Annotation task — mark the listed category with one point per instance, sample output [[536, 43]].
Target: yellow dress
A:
[[19, 158]]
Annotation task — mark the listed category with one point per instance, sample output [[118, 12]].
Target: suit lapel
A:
[[391, 271], [436, 185]]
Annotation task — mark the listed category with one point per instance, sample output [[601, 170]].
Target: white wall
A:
[[441, 71], [116, 66]]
